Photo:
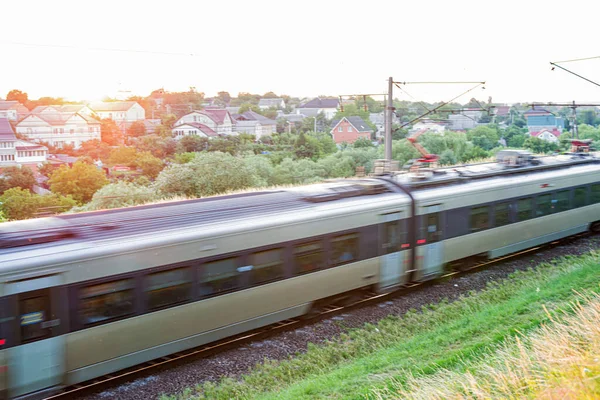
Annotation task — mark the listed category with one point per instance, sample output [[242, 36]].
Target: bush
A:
[[17, 203], [120, 194]]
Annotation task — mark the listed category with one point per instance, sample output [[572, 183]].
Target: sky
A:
[[89, 50]]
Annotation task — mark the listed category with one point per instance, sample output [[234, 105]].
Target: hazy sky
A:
[[300, 48]]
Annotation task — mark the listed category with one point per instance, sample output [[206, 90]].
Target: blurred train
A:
[[89, 294]]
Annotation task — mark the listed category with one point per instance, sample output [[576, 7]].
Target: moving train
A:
[[85, 295]]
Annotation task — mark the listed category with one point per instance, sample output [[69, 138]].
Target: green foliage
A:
[[484, 136], [12, 177], [207, 174], [448, 158], [261, 168], [123, 156], [149, 165], [184, 158], [96, 149], [298, 172], [539, 146], [362, 142], [160, 147], [17, 203], [120, 194], [192, 143], [80, 181], [249, 107]]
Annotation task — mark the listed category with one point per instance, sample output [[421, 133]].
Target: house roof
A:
[[254, 116], [217, 115], [502, 110], [10, 104], [554, 131], [6, 131], [357, 122], [111, 106], [201, 127], [23, 145], [321, 103], [270, 102], [536, 110]]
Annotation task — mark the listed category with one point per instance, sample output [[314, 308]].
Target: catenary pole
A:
[[388, 120]]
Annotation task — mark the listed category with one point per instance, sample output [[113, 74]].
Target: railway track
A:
[[366, 299]]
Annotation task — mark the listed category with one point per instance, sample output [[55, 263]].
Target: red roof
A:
[[203, 128], [216, 115], [554, 131]]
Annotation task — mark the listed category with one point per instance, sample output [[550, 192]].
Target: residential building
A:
[[193, 129], [431, 125], [12, 110], [350, 129], [549, 135], [219, 120], [255, 124], [18, 152], [539, 118], [119, 111], [265, 104], [466, 119], [312, 108], [59, 128], [378, 119]]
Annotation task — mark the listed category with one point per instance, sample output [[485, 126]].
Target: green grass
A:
[[442, 336]]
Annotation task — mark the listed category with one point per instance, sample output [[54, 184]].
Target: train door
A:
[[37, 361], [392, 240], [4, 342], [429, 244]]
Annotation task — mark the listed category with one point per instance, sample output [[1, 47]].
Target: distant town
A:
[[144, 142]]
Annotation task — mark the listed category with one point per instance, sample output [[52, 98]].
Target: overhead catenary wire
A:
[[73, 47]]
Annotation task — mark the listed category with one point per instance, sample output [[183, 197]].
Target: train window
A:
[[502, 214], [168, 287], [309, 257], [562, 201], [543, 205], [220, 276], [106, 301], [524, 209], [34, 311], [394, 236], [431, 228], [595, 195], [345, 249], [479, 219], [266, 266], [580, 197]]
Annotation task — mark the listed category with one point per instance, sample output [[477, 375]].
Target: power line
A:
[[575, 59]]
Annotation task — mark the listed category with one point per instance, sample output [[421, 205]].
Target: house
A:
[[193, 129], [119, 111], [265, 104], [12, 110], [18, 152], [59, 128], [255, 124], [327, 106], [378, 119], [349, 129], [549, 135], [431, 125], [219, 120], [539, 118], [466, 119]]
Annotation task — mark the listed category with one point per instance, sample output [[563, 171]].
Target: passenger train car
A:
[[89, 294]]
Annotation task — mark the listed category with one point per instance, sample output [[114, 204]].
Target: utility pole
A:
[[388, 120], [575, 131]]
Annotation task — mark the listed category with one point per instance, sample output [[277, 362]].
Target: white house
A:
[[18, 152], [60, 128], [466, 119], [119, 111], [265, 104], [429, 125], [327, 107], [12, 110], [218, 120], [193, 129], [255, 124], [549, 135]]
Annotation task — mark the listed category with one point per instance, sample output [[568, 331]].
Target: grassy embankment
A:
[[449, 342]]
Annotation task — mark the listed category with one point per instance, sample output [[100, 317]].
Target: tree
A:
[[161, 147], [539, 146], [484, 136], [120, 194], [362, 142], [269, 95], [249, 107], [110, 132], [95, 149], [149, 165], [137, 128], [17, 203], [47, 169], [123, 156], [192, 143], [80, 181], [225, 97], [17, 95], [17, 177]]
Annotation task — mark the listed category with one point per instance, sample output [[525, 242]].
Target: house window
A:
[[349, 129], [340, 129]]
